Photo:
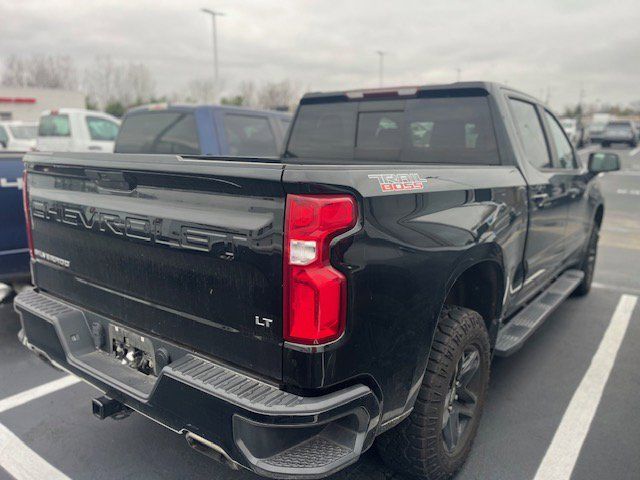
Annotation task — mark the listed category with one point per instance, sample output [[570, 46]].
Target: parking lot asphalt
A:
[[55, 435]]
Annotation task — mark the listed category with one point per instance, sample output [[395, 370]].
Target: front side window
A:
[[563, 147], [531, 133], [3, 136], [249, 136], [102, 129], [159, 132], [54, 126]]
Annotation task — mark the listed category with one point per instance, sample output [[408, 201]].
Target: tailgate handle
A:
[[112, 180]]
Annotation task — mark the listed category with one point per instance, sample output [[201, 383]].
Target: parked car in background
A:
[[282, 313], [76, 130], [620, 131], [576, 131], [202, 130], [598, 124], [18, 136], [14, 249]]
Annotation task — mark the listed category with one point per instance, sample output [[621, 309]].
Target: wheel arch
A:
[[479, 285]]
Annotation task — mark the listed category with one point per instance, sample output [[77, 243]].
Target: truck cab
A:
[[202, 130], [76, 130]]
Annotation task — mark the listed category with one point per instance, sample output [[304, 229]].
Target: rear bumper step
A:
[[247, 421]]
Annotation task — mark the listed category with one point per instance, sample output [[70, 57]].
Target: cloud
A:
[[536, 46]]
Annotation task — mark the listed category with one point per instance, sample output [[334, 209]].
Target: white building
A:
[[26, 103]]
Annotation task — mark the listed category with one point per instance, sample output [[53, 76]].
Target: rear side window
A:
[[452, 130], [54, 126], [101, 129], [24, 132], [159, 132], [4, 138], [249, 136], [530, 133]]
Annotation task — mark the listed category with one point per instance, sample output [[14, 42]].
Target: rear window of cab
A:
[[54, 126], [450, 130]]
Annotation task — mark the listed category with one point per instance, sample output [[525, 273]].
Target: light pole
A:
[[381, 65], [214, 14]]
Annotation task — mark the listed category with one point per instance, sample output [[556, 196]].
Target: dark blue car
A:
[[14, 250]]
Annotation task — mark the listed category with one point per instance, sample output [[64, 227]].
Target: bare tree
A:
[[107, 81], [15, 72], [200, 91], [278, 95], [48, 71], [247, 90], [138, 83]]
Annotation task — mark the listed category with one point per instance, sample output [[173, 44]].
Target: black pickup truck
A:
[[284, 313]]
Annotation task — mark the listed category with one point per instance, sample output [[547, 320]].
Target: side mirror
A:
[[600, 162], [3, 144]]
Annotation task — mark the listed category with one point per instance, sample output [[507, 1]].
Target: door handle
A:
[[539, 197]]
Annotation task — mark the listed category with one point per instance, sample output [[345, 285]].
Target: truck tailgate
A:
[[188, 250]]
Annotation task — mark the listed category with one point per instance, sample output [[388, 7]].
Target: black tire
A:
[[420, 445], [588, 263]]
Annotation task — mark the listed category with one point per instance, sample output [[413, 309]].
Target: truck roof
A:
[[449, 89], [186, 107], [84, 111]]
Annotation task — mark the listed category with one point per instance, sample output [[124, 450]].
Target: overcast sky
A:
[[326, 45]]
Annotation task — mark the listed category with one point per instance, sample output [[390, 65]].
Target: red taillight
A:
[[314, 292], [27, 216]]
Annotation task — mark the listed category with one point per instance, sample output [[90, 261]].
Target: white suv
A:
[[76, 130]]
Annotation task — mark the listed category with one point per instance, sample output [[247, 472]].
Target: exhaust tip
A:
[[210, 449]]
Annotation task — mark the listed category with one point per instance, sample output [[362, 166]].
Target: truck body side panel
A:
[[403, 261]]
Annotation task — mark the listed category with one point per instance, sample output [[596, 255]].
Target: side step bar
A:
[[512, 336]]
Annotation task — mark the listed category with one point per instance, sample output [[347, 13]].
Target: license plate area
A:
[[132, 349]]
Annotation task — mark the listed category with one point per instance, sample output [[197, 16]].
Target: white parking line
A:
[[616, 288], [21, 462], [563, 452], [37, 392], [634, 151]]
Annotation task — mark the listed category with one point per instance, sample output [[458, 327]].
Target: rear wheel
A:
[[435, 440], [588, 265]]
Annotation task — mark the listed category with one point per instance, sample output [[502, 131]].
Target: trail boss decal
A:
[[399, 182]]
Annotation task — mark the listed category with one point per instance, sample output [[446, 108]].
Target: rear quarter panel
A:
[[407, 253]]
